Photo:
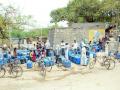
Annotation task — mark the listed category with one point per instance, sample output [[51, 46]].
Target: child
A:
[[33, 56], [43, 52], [9, 57]]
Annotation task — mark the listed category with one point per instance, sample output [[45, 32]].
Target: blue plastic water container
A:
[[46, 62], [51, 63], [118, 56], [1, 62], [72, 57], [62, 58], [77, 59], [29, 64], [67, 64]]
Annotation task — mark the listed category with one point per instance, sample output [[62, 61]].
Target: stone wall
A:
[[75, 32], [66, 34]]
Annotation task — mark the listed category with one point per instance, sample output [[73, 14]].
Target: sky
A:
[[39, 9]]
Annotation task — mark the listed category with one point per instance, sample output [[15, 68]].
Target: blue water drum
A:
[[96, 48], [67, 64], [1, 62], [19, 57], [118, 56], [46, 62], [49, 58], [77, 59], [27, 57], [5, 55], [69, 53], [29, 64], [72, 57], [61, 59], [94, 54], [5, 61], [51, 63]]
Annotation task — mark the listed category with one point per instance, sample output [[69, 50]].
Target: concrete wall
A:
[[75, 32]]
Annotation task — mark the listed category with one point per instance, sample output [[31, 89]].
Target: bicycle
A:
[[40, 64], [112, 60], [60, 64], [37, 65], [13, 69], [106, 63]]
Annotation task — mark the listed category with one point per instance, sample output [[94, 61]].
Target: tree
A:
[[31, 34], [110, 10], [12, 19], [88, 11], [58, 15], [77, 10]]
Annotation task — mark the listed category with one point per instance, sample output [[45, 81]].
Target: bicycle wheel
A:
[[107, 64], [91, 65], [35, 66], [17, 71], [48, 68], [112, 64], [43, 71], [2, 72], [59, 65]]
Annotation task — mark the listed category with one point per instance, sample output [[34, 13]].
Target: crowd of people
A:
[[44, 49]]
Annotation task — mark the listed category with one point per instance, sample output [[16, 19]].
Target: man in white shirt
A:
[[106, 49], [66, 51], [47, 46], [62, 48], [75, 46], [83, 56]]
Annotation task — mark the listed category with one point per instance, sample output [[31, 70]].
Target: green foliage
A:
[[30, 34], [3, 28], [59, 15], [11, 19], [18, 34], [88, 11]]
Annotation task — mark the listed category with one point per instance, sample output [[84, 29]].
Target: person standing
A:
[[90, 45], [15, 53], [66, 51], [15, 56], [35, 47], [33, 56], [75, 46], [47, 46], [83, 56], [106, 49], [57, 53], [9, 57], [62, 48]]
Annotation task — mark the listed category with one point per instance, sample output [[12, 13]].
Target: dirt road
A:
[[79, 78]]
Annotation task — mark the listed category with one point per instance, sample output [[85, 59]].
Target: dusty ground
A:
[[79, 78]]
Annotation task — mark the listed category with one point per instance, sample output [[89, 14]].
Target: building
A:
[[77, 31]]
